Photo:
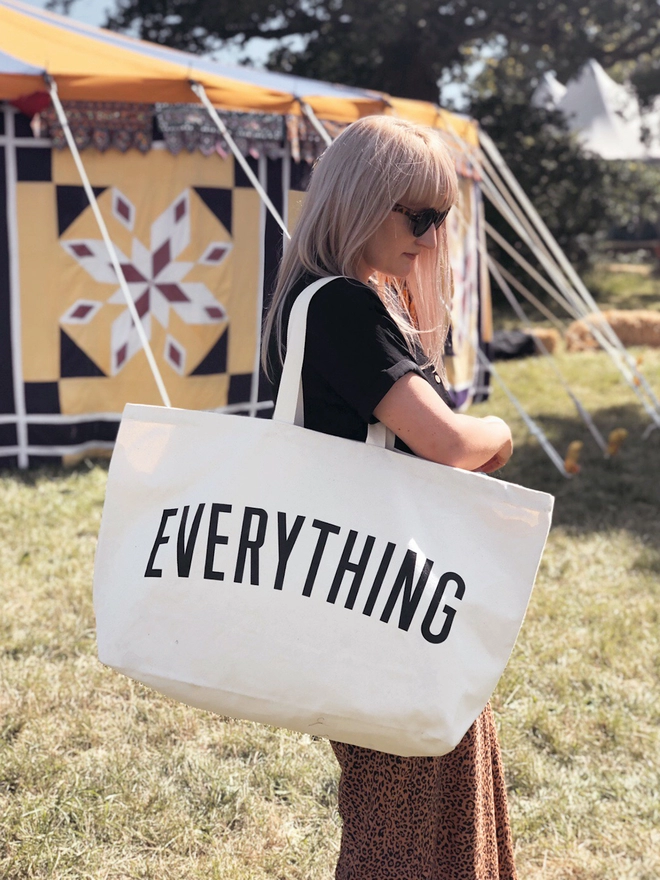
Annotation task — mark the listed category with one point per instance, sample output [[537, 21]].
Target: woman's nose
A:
[[430, 238]]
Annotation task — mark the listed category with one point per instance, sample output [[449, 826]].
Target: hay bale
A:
[[548, 336], [633, 327], [579, 338]]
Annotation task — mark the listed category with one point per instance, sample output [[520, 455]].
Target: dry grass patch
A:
[[102, 778]]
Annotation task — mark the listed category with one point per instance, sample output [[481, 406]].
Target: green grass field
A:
[[102, 778]]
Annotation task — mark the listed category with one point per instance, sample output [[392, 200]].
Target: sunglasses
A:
[[421, 221]]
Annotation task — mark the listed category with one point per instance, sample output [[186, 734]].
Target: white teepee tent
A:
[[604, 114]]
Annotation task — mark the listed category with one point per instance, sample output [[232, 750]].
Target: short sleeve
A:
[[353, 343]]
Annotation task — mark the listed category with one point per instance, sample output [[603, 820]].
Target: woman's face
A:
[[393, 249]]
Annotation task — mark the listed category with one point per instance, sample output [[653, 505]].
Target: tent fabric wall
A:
[[465, 229], [198, 251]]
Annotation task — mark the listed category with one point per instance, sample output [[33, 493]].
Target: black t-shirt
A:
[[354, 353]]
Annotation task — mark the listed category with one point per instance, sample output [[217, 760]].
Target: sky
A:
[[89, 11], [95, 12]]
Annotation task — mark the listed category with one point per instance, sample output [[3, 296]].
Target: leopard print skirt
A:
[[426, 818]]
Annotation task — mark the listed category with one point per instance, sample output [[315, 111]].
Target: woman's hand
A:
[[501, 456], [497, 461]]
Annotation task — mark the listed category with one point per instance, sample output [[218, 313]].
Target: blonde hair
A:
[[373, 164]]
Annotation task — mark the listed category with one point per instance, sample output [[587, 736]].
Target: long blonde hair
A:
[[373, 164]]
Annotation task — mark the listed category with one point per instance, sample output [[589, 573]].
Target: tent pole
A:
[[490, 148], [576, 311], [61, 115], [532, 427], [200, 91], [509, 209], [18, 382], [577, 307], [313, 118], [518, 223], [573, 310], [521, 226], [582, 412], [529, 296], [498, 184], [531, 271], [584, 307]]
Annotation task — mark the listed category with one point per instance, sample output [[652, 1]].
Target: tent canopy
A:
[[93, 64]]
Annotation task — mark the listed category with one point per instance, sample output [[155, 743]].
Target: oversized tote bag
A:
[[264, 571]]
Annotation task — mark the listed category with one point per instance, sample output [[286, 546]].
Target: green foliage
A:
[[645, 77], [402, 47]]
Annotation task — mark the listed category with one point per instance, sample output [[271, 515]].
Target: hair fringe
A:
[[375, 163]]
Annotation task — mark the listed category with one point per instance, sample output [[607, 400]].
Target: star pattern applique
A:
[[155, 279]]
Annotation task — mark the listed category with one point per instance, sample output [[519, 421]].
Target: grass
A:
[[102, 778], [625, 286], [579, 705]]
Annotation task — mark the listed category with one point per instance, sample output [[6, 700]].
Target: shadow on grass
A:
[[622, 492], [55, 472]]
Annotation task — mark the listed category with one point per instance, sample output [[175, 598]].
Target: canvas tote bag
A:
[[268, 572]]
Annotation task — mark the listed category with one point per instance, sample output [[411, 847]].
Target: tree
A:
[[404, 46], [582, 198]]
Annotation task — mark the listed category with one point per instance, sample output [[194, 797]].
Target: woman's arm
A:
[[419, 417]]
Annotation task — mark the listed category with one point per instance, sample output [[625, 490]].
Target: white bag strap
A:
[[289, 406]]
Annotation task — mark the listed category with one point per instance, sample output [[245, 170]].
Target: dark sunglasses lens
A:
[[425, 219], [441, 217], [422, 222]]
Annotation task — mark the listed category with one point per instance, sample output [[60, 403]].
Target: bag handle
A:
[[289, 406]]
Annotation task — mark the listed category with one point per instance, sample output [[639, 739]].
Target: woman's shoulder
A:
[[339, 291], [344, 298]]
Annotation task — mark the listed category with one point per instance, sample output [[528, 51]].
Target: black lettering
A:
[[358, 568], [184, 551], [252, 544], [411, 598], [378, 580], [448, 610], [161, 538], [213, 539], [285, 545], [325, 529]]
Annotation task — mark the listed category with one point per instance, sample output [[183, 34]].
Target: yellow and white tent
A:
[[195, 243]]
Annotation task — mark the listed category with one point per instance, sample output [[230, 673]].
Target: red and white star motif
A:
[[155, 280]]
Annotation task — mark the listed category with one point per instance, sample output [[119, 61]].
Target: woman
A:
[[374, 214]]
